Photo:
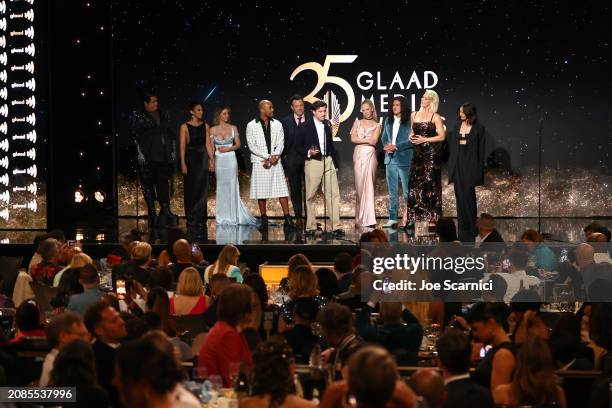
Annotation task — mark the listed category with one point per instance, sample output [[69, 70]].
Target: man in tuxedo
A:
[[108, 328], [454, 350], [317, 147], [488, 239], [293, 157]]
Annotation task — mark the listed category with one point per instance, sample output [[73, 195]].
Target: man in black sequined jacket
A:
[[156, 156]]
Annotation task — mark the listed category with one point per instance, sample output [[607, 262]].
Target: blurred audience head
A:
[[64, 328], [498, 291], [49, 250], [182, 251], [27, 316], [190, 283], [147, 370], [126, 238], [302, 282], [141, 253], [343, 263], [161, 276], [217, 283], [235, 304], [336, 322], [531, 238], [297, 260], [585, 255], [80, 259], [454, 352], [485, 224], [488, 320], [74, 366], [105, 323], [391, 312], [372, 375], [429, 384], [88, 276], [327, 283], [273, 369], [257, 283]]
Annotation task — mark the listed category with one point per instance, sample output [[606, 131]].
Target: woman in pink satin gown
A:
[[364, 135]]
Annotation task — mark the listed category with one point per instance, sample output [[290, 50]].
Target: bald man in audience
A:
[[182, 252], [429, 384], [589, 270]]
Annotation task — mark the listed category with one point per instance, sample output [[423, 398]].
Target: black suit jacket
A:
[[105, 366], [492, 242], [291, 152], [467, 394], [308, 137], [475, 147]]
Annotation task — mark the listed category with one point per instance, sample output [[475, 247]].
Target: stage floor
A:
[[557, 229]]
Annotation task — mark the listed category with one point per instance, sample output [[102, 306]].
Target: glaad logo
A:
[[334, 112], [381, 92]]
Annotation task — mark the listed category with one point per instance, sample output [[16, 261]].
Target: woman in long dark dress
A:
[[197, 158], [466, 147], [425, 179]]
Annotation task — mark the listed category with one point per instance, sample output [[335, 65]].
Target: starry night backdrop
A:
[[527, 66]]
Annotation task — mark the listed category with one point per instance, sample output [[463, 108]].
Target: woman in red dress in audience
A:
[[189, 298], [225, 345]]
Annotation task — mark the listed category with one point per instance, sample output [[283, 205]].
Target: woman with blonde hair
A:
[[189, 298], [302, 283], [77, 259], [226, 140], [226, 263], [425, 179], [364, 135]]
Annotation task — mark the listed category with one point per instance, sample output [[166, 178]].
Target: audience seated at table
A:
[[44, 272], [149, 375], [540, 256], [225, 343], [61, 330], [184, 255], [273, 378], [189, 298], [533, 381], [89, 279], [300, 336], [226, 263], [301, 283], [139, 266], [343, 266], [454, 359], [75, 366], [217, 283]]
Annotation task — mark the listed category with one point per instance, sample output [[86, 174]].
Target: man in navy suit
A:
[[454, 350], [292, 157]]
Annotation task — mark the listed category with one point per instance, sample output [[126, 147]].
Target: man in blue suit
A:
[[398, 154]]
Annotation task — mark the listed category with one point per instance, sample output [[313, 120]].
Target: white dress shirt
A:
[[396, 126], [320, 126], [479, 240]]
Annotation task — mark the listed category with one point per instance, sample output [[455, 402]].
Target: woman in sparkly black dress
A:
[[425, 179]]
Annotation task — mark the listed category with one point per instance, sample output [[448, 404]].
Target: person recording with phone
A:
[[320, 168]]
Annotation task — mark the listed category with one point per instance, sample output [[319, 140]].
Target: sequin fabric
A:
[[425, 180]]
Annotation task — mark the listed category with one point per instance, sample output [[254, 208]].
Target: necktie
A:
[[299, 120]]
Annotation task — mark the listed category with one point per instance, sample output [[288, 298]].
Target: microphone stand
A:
[[326, 235]]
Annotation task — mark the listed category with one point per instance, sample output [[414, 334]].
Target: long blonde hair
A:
[[371, 105], [80, 259], [302, 282], [227, 257], [190, 283]]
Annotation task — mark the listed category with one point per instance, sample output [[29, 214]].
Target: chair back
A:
[[43, 294], [196, 346], [189, 326]]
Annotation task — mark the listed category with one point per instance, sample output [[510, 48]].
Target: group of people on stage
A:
[[295, 157]]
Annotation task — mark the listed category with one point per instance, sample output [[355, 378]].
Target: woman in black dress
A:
[[197, 158], [466, 147], [425, 179]]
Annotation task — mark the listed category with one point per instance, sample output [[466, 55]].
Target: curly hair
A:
[[271, 374]]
